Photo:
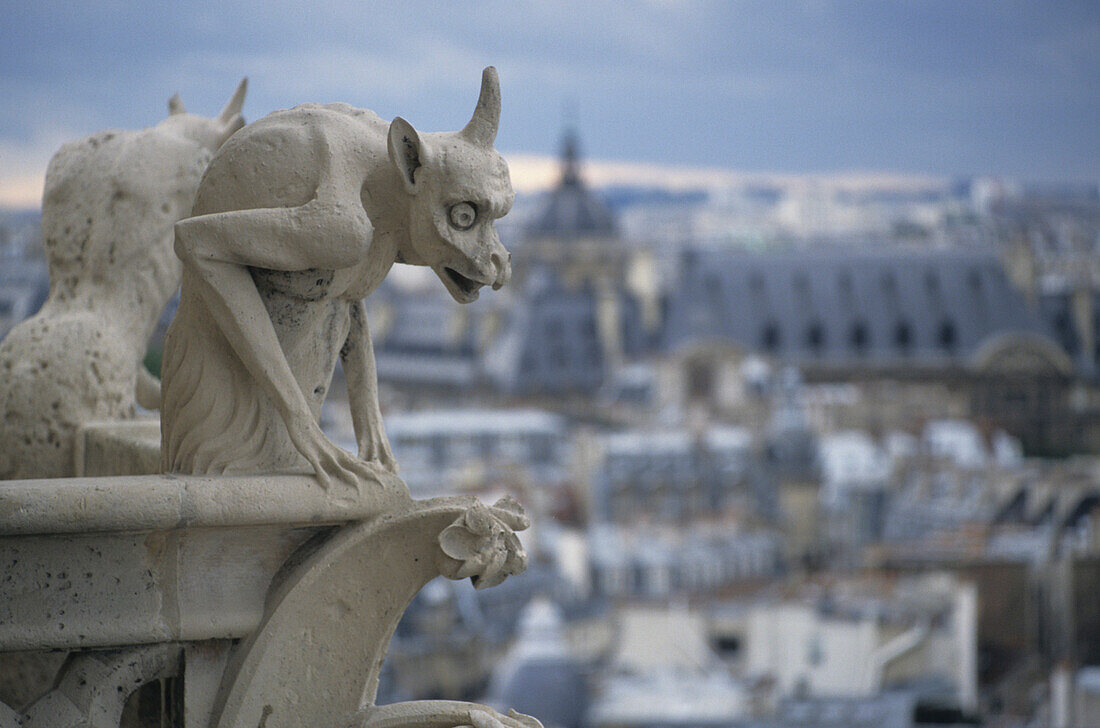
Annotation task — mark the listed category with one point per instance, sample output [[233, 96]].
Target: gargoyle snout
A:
[[502, 264]]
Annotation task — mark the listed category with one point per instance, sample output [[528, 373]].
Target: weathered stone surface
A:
[[109, 561], [163, 502], [119, 447], [107, 213], [93, 687], [102, 590]]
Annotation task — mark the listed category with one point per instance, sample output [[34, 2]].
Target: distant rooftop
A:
[[878, 307], [572, 210], [472, 421]]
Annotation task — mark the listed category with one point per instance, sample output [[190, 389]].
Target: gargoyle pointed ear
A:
[[405, 152], [235, 103], [175, 105], [482, 127]]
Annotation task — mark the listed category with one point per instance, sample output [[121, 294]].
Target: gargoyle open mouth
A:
[[467, 286]]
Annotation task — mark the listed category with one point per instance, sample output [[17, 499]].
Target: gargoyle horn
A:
[[175, 105], [482, 129], [233, 107]]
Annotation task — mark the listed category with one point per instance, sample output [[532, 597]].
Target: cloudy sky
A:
[[976, 87]]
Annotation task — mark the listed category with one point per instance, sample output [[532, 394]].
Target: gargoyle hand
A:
[[327, 459], [483, 543]]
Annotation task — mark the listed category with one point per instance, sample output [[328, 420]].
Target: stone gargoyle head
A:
[[458, 186]]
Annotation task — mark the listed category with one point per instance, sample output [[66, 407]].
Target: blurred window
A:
[[770, 338], [530, 361], [439, 451], [889, 282], [486, 444], [542, 449], [946, 336], [815, 336], [844, 283], [860, 337], [756, 284], [714, 286], [903, 335], [801, 284]]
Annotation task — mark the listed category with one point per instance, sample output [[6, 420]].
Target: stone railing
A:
[[269, 602]]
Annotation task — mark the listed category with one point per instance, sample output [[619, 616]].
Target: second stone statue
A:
[[299, 217]]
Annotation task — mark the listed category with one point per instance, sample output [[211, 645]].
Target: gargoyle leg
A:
[[357, 358]]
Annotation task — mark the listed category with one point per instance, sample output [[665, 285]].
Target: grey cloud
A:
[[987, 86]]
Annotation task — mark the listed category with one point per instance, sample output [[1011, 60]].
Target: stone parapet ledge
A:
[[141, 559], [139, 503]]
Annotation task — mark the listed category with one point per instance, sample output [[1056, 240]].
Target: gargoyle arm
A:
[[315, 235], [357, 358]]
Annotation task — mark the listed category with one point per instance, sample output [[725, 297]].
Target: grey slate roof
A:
[[422, 343], [885, 710], [870, 308]]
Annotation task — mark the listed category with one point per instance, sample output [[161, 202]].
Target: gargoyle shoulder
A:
[[277, 161]]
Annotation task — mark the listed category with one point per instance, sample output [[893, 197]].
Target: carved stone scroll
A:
[[317, 655]]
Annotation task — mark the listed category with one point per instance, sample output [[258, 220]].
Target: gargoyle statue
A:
[[109, 205], [299, 217]]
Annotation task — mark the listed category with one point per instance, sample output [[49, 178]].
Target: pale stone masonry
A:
[[259, 580]]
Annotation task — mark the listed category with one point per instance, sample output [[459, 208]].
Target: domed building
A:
[[578, 318], [574, 232], [538, 676]]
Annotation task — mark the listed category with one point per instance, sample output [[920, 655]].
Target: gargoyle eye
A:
[[463, 215]]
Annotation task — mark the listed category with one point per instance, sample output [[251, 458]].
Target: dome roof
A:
[[538, 676], [571, 210], [554, 691]]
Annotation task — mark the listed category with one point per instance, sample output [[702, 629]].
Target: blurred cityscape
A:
[[798, 451]]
